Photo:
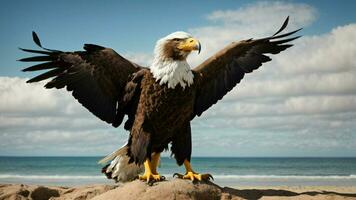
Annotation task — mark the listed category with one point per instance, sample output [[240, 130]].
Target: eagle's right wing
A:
[[97, 77], [221, 72]]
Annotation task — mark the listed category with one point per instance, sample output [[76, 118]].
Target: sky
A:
[[302, 103]]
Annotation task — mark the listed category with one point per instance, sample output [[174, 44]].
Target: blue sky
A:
[[127, 26], [282, 110]]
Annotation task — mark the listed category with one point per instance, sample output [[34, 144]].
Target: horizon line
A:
[[88, 156]]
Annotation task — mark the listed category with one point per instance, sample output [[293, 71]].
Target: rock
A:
[[173, 189], [12, 192], [23, 192], [85, 192], [44, 193]]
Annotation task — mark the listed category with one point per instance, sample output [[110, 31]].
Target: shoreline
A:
[[166, 189]]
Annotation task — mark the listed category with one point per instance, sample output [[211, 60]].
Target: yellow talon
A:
[[194, 176], [190, 174], [150, 177], [150, 170]]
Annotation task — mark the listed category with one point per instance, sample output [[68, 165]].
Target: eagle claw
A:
[[151, 178], [194, 176], [178, 175], [210, 177]]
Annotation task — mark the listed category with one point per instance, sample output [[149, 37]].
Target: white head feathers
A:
[[178, 34], [169, 71]]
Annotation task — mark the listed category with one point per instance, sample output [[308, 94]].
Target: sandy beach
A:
[[173, 189]]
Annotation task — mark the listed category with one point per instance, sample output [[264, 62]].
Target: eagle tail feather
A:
[[120, 169]]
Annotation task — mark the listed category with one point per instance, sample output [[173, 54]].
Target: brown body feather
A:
[[161, 114]]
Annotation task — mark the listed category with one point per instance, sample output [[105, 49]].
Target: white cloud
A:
[[14, 92], [31, 107], [303, 84], [36, 121], [327, 53], [265, 13], [61, 142], [321, 104], [265, 16], [143, 59], [19, 97], [295, 83], [256, 20]]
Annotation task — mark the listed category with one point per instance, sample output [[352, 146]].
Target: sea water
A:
[[226, 171]]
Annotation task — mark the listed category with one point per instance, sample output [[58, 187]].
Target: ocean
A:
[[69, 171]]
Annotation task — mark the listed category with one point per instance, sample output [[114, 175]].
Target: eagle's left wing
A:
[[97, 77], [220, 73]]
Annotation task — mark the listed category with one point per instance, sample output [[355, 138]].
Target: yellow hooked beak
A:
[[190, 44]]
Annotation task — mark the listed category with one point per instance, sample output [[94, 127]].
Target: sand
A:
[[173, 189]]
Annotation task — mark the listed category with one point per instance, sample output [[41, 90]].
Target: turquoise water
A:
[[226, 171]]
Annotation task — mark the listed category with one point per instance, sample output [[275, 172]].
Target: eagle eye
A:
[[176, 39]]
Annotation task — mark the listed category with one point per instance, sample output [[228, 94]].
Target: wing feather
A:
[[42, 66], [96, 77], [223, 71]]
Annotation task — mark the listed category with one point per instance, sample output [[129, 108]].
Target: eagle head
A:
[[169, 64], [176, 46]]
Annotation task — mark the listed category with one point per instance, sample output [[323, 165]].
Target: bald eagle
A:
[[161, 101]]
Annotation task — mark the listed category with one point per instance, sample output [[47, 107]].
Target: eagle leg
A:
[[190, 174], [151, 169]]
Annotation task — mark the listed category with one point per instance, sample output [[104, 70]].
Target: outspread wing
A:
[[220, 73], [96, 77]]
